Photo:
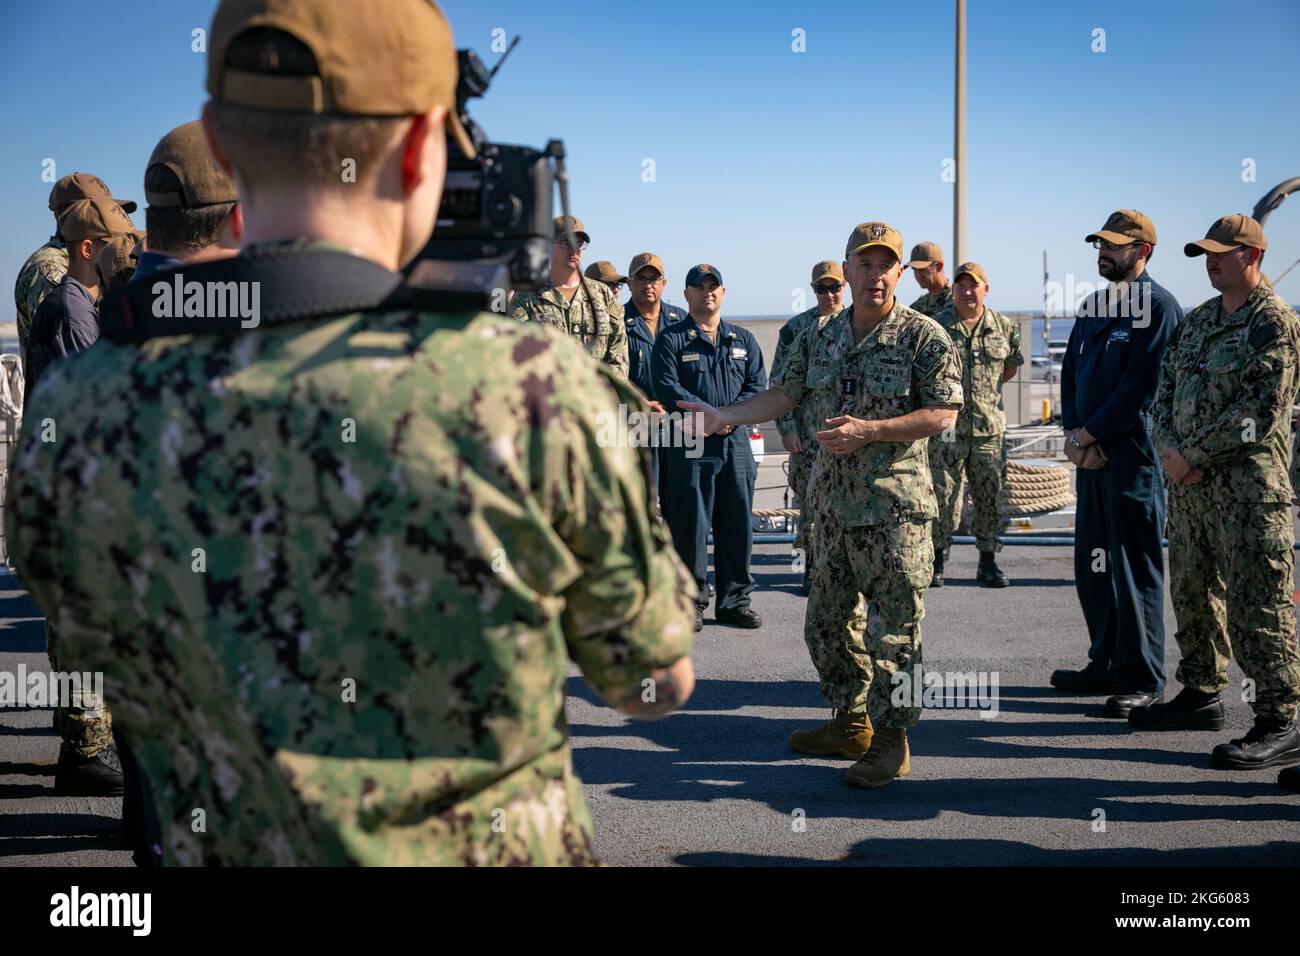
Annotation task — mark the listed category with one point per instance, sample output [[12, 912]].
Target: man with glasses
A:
[[799, 426], [894, 378], [1223, 429], [927, 265], [989, 346], [584, 308], [646, 315], [605, 273], [1108, 385]]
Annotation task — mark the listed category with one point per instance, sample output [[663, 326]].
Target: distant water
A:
[[1060, 327]]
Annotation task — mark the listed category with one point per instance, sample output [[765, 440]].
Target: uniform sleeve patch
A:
[[931, 357], [1266, 333]]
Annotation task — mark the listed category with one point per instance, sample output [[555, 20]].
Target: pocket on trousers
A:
[[1271, 528], [911, 553]]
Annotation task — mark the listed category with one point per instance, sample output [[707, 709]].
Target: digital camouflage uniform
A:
[[801, 421], [598, 324], [975, 449], [408, 527], [932, 303], [873, 557], [1227, 384], [43, 270], [84, 726]]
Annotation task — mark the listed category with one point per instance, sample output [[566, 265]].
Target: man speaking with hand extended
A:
[[884, 379]]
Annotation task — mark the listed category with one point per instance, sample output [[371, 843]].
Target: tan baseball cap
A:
[[643, 259], [1227, 234], [76, 186], [377, 58], [825, 268], [925, 254], [972, 269], [579, 230], [185, 152], [604, 271], [122, 253], [875, 234], [94, 218], [1124, 227]]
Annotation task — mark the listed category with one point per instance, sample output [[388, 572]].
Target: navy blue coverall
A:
[[640, 343], [716, 488], [1108, 384]]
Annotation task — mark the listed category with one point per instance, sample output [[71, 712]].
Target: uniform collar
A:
[[77, 285], [637, 325], [549, 293], [1223, 320], [636, 322], [983, 325], [726, 332], [886, 333]]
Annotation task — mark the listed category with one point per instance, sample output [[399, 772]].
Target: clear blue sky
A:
[[765, 158]]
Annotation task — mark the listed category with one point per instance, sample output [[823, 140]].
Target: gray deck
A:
[[717, 785]]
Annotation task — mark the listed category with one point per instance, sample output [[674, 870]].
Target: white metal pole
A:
[[959, 145]]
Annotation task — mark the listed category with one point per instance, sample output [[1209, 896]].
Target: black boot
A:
[[745, 617], [989, 574], [936, 578], [1091, 680], [97, 776], [1190, 710], [1270, 743]]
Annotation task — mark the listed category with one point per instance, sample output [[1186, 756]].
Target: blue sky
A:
[[765, 158]]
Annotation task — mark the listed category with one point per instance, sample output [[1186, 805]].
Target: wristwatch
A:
[[1074, 441]]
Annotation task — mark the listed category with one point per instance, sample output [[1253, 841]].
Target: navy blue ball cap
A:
[[698, 274]]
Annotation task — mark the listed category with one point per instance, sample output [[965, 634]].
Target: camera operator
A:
[[375, 523]]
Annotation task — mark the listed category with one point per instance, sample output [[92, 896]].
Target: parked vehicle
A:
[[1043, 369]]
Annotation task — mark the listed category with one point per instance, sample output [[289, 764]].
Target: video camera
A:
[[493, 230]]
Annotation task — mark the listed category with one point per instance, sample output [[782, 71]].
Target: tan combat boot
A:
[[887, 760], [845, 735]]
